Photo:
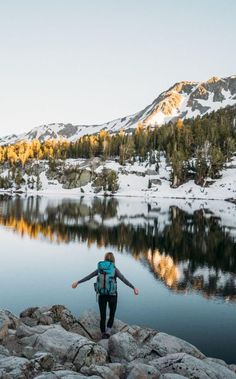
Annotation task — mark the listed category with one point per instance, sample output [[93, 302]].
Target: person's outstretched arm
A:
[[124, 280], [88, 277]]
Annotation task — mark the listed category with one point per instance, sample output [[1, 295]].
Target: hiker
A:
[[106, 289]]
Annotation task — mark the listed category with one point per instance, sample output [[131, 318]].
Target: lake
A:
[[180, 254]]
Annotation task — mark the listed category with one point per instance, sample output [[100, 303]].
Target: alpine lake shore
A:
[[50, 342]]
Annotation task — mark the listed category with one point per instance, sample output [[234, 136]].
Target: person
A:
[[109, 298]]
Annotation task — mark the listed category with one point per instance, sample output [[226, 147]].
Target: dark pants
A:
[[112, 302]]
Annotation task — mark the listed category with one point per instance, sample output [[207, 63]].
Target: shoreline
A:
[[50, 342], [74, 194]]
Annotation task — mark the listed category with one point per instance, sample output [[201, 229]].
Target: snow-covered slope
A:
[[183, 100], [135, 180]]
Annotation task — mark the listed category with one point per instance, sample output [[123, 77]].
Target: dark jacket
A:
[[117, 275]]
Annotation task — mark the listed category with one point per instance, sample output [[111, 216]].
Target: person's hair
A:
[[109, 257]]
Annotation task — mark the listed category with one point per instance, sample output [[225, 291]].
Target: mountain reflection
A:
[[187, 251]]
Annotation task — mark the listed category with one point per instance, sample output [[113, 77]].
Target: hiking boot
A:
[[105, 336]]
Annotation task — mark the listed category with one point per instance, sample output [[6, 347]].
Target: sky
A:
[[91, 61]]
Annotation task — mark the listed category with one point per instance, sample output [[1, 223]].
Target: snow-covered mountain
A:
[[183, 100]]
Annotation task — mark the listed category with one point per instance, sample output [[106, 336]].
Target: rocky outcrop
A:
[[51, 343]]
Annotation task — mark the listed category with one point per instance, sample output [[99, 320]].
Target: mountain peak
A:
[[214, 79], [185, 99]]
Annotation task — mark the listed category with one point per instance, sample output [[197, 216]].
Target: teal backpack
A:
[[106, 281]]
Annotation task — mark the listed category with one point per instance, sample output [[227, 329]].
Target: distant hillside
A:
[[183, 100]]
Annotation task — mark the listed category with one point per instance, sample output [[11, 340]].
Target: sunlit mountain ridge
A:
[[186, 99]]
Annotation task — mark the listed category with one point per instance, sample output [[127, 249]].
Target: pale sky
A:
[[91, 61]]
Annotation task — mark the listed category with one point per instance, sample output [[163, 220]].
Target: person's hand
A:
[[136, 291], [74, 285]]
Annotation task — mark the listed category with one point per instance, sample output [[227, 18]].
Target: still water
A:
[[181, 256]]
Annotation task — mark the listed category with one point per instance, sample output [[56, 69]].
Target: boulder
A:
[[61, 314], [62, 344], [24, 330], [142, 335], [118, 369], [156, 182], [150, 172], [29, 321], [191, 367], [4, 351], [164, 344], [7, 320], [50, 343], [51, 314], [45, 320], [172, 376], [89, 321], [15, 367], [28, 312], [102, 371], [122, 347], [84, 178], [64, 374], [134, 344], [215, 360], [4, 375], [104, 343], [232, 367], [143, 371], [46, 361]]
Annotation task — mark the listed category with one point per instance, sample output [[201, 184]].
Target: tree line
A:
[[194, 148]]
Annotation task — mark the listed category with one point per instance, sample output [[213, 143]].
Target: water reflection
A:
[[187, 251]]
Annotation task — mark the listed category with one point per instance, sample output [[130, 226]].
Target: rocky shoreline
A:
[[50, 343], [95, 177]]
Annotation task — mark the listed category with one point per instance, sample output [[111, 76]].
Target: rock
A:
[[4, 375], [3, 325], [150, 172], [69, 366], [172, 376], [84, 178], [28, 312], [45, 320], [64, 374], [143, 371], [215, 360], [134, 344], [16, 367], [45, 309], [28, 352], [7, 320], [52, 342], [89, 321], [74, 177], [29, 321], [117, 368], [61, 314], [142, 335], [156, 182], [232, 367], [4, 351], [102, 371], [27, 331], [191, 367], [165, 344], [104, 343], [45, 360], [122, 347], [62, 344]]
